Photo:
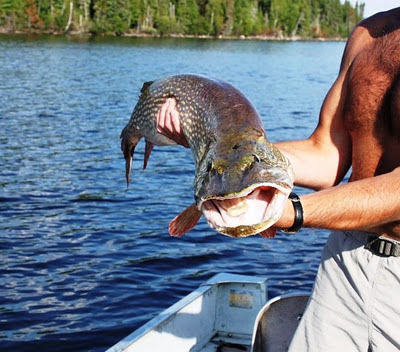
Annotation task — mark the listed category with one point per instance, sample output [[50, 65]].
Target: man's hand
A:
[[169, 123]]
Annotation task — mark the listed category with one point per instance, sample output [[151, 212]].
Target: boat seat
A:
[[277, 321]]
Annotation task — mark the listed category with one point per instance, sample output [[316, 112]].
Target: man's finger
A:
[[169, 127], [169, 123], [176, 124], [173, 117], [161, 115]]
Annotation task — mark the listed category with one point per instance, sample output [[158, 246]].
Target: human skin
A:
[[359, 127]]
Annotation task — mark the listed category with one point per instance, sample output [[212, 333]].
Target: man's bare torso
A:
[[372, 100]]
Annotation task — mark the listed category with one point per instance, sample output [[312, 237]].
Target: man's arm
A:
[[324, 158], [321, 161], [370, 204]]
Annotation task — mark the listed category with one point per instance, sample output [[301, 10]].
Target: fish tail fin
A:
[[129, 141], [147, 152], [185, 221]]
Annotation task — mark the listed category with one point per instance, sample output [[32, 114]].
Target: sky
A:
[[374, 6]]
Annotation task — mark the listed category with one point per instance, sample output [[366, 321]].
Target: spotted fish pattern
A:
[[236, 166]]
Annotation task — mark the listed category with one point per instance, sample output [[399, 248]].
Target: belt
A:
[[383, 246]]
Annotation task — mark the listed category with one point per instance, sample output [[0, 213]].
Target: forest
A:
[[217, 18]]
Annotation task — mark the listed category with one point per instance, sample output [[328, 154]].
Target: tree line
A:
[[277, 18]]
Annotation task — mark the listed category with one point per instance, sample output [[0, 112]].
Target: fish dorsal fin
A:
[[185, 221], [145, 89], [146, 86]]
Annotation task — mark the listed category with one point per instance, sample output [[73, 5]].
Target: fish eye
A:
[[256, 158], [236, 146]]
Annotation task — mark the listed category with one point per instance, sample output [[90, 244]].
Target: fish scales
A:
[[242, 181]]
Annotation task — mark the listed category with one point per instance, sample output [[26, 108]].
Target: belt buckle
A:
[[380, 246]]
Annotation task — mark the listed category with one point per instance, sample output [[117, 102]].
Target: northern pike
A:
[[242, 180]]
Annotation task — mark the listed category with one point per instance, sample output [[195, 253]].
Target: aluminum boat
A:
[[228, 313]]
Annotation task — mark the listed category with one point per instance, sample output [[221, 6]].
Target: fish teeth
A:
[[235, 206]]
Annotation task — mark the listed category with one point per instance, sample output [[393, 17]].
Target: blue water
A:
[[84, 261]]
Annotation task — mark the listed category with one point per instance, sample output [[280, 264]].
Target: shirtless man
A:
[[355, 305]]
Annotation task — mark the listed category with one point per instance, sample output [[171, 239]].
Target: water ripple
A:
[[85, 260]]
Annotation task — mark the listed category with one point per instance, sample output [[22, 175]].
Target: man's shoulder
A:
[[378, 25], [379, 28], [368, 31], [358, 41]]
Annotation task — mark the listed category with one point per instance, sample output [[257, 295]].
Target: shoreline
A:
[[278, 38]]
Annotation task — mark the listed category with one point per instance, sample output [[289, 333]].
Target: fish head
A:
[[242, 185]]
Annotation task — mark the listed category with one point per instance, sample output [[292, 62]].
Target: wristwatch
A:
[[298, 214]]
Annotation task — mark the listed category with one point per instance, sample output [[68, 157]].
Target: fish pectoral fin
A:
[[268, 233], [128, 167], [147, 152], [185, 221], [129, 141]]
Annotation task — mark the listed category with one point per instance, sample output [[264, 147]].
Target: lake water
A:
[[84, 261]]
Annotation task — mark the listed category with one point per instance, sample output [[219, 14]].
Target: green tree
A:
[[247, 19], [316, 18], [216, 17], [164, 19], [111, 16], [12, 14], [187, 12]]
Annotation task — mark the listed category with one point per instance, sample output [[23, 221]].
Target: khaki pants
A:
[[355, 304]]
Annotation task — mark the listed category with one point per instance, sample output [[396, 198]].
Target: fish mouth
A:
[[247, 213]]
